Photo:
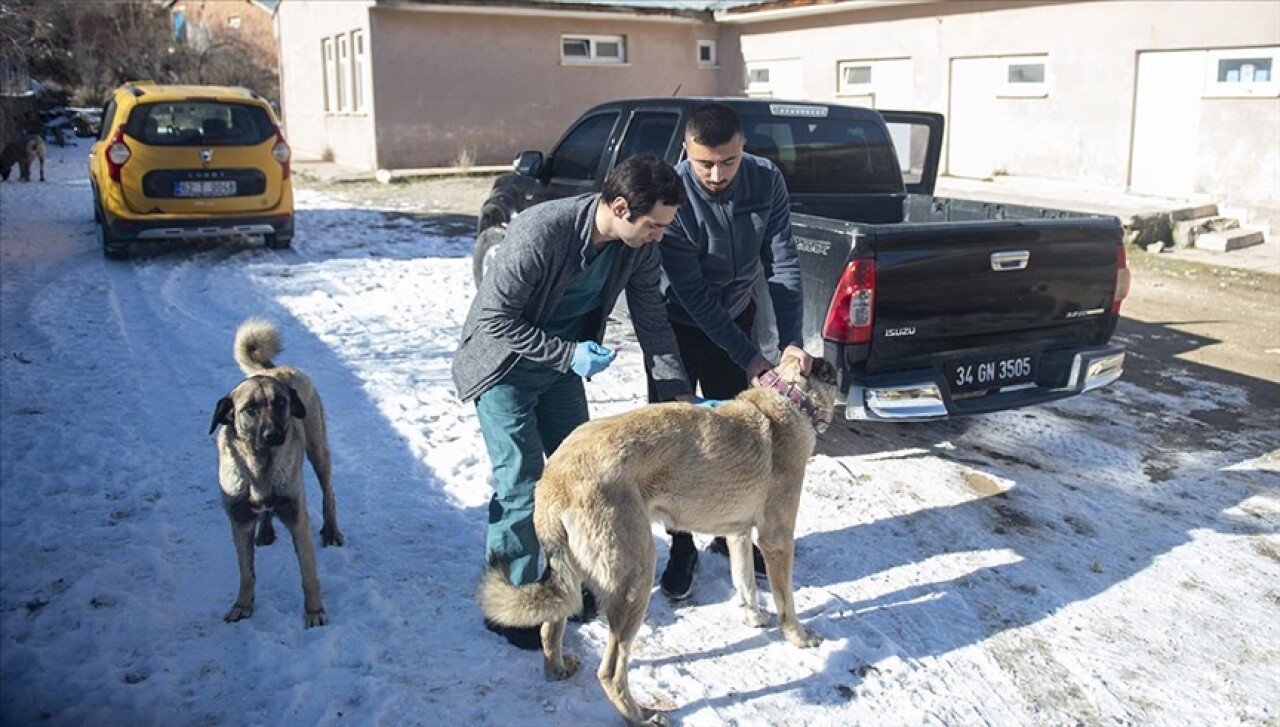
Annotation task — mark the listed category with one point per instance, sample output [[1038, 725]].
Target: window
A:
[[854, 74], [358, 64], [1242, 73], [341, 100], [578, 155], [593, 49], [707, 54], [1025, 77], [758, 81], [330, 75], [826, 156], [650, 132]]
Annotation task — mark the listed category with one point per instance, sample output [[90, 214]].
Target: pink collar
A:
[[770, 380]]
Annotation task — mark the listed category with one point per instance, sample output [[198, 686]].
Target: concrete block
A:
[[1185, 232], [1193, 211], [1229, 240]]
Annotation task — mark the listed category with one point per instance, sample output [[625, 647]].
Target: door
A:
[[917, 136], [975, 120], [1166, 123]]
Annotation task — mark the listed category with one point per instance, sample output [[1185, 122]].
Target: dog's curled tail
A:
[[555, 597], [257, 342]]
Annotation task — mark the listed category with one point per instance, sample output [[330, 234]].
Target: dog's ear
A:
[[222, 413], [296, 407], [823, 371]]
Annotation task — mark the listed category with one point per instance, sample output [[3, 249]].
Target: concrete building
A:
[[1164, 98]]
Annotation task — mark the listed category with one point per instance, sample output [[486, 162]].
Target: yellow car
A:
[[189, 162]]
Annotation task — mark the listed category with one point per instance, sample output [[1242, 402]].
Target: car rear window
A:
[[826, 156], [206, 123]]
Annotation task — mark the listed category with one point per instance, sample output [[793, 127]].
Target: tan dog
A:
[[23, 153], [269, 420], [722, 471]]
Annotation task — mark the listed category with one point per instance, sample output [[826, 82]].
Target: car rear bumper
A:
[[280, 225], [925, 396]]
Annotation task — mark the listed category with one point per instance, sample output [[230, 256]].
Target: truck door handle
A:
[[1010, 260]]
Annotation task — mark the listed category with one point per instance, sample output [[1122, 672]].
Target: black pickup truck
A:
[[929, 307]]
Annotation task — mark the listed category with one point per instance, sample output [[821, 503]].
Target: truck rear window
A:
[[207, 123], [826, 156]]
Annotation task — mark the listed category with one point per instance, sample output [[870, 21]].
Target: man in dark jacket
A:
[[534, 332], [735, 228]]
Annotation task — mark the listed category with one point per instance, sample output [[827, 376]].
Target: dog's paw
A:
[[331, 535], [654, 717], [238, 612], [567, 667], [803, 637], [756, 618], [315, 618]]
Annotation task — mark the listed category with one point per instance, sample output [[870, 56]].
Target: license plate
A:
[[204, 188], [991, 374]]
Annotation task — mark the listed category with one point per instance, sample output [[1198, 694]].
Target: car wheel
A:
[[113, 248], [488, 243], [275, 242]]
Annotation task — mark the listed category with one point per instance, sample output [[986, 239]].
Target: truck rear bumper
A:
[[927, 397]]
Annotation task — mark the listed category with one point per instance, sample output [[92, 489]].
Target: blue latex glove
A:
[[590, 358], [708, 403]]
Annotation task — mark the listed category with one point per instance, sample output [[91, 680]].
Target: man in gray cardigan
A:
[[534, 332]]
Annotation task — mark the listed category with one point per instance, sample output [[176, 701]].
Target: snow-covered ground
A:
[[1056, 565]]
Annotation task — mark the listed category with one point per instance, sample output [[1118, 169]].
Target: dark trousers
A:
[[708, 367]]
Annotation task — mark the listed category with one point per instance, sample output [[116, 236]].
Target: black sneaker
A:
[[721, 547], [677, 579], [589, 609], [528, 638]]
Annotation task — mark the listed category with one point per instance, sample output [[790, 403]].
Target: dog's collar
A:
[[770, 380]]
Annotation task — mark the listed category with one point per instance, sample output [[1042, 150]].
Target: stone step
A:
[[1228, 240], [1192, 212], [1185, 232]]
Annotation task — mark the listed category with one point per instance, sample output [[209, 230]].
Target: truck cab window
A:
[[648, 133], [578, 155]]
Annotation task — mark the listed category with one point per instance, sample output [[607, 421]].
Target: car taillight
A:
[[281, 152], [117, 154], [1122, 279], [850, 317]]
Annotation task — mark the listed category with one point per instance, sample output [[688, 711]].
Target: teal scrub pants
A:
[[523, 419]]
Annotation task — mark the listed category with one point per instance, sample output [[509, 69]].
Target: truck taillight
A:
[[850, 317], [1122, 280], [281, 152], [117, 154]]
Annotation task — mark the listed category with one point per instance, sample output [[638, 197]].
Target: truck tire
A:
[[488, 242]]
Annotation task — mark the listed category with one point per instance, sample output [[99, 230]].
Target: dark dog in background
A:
[[23, 153], [269, 421]]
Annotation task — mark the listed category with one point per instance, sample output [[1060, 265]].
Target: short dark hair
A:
[[643, 180], [713, 124]]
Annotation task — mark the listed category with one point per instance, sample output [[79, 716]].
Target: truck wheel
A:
[[488, 243], [275, 242], [113, 248]]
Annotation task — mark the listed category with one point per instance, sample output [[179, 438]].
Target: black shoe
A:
[[589, 610], [677, 579], [721, 547], [528, 638]]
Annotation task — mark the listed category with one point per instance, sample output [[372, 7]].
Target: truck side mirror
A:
[[528, 163]]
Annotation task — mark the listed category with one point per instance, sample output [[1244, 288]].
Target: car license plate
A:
[[204, 188], [991, 374]]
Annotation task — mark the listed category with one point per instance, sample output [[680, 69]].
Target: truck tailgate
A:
[[964, 287]]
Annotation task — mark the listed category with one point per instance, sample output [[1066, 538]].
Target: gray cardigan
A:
[[542, 251]]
